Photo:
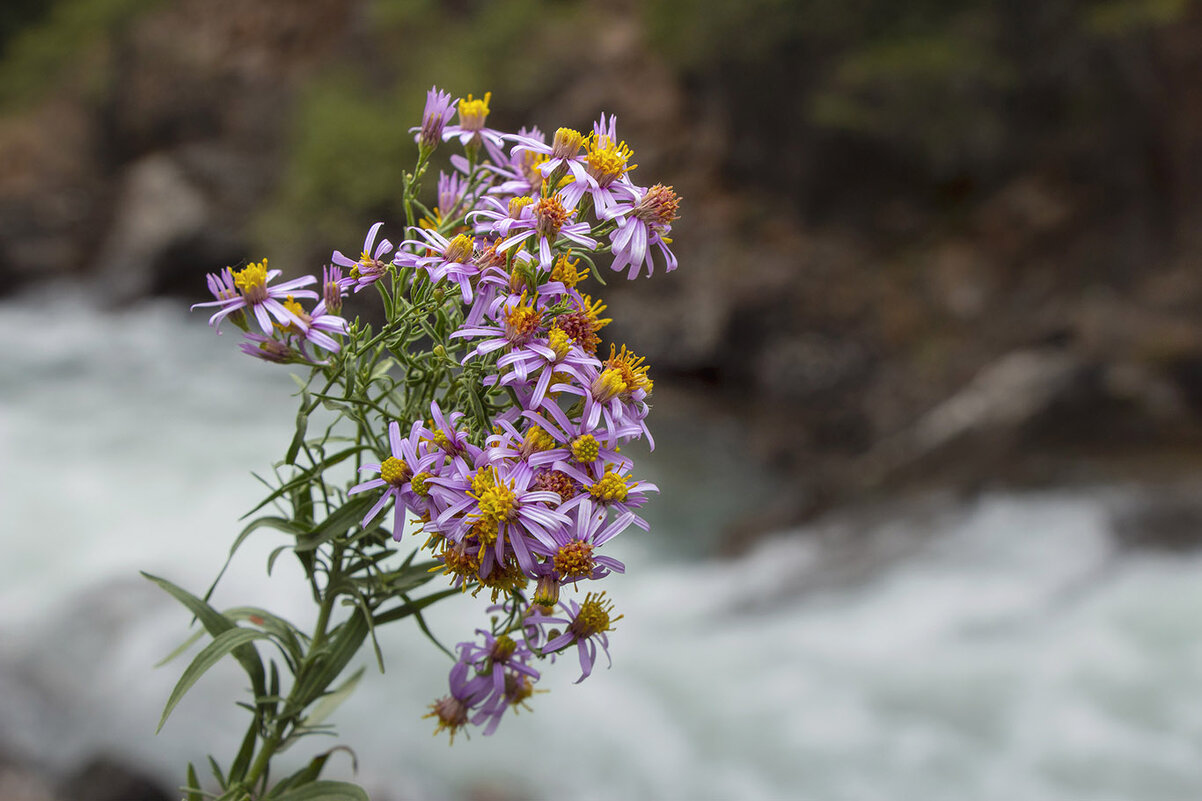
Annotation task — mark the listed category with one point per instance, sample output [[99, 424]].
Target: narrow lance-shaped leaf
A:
[[324, 791], [212, 653]]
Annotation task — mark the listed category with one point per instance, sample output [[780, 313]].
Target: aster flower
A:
[[520, 173], [550, 219], [499, 510], [397, 473], [563, 154], [611, 487], [446, 259], [472, 114], [587, 624], [500, 663], [574, 441], [434, 119], [370, 266], [442, 433], [247, 290], [606, 164], [574, 557], [553, 355], [517, 321], [269, 349], [333, 288], [467, 692], [642, 224], [318, 325]]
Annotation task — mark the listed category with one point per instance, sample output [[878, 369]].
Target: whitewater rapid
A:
[[1005, 650]]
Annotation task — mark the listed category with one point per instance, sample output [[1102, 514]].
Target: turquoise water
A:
[[1004, 651]]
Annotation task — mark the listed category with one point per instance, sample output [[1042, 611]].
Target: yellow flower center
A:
[[503, 648], [459, 249], [395, 471], [632, 368], [585, 448], [566, 143], [551, 216], [251, 281], [610, 487], [522, 321], [473, 112], [608, 385], [498, 502], [419, 483], [566, 272], [594, 616], [574, 560], [537, 440], [516, 204], [607, 160], [559, 342]]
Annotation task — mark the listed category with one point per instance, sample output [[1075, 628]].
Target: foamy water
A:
[[1008, 653]]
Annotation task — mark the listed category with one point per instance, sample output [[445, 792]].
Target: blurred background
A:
[[928, 385]]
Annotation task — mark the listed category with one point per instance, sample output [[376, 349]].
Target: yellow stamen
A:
[[607, 160], [395, 471], [610, 487], [632, 367], [251, 281], [566, 272], [574, 560], [594, 616], [559, 342], [585, 448], [473, 112]]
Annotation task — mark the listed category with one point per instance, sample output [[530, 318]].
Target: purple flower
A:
[[501, 665], [587, 624], [564, 153], [269, 349], [434, 119], [573, 556], [317, 325], [371, 266], [247, 290], [606, 162], [497, 509], [553, 355], [472, 114], [611, 487], [575, 441], [446, 258], [643, 224], [398, 473], [550, 218]]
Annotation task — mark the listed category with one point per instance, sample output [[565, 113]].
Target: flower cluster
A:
[[511, 470]]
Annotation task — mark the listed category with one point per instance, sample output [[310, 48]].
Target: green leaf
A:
[[302, 425], [310, 772], [325, 791], [337, 523], [193, 787], [222, 644], [284, 632], [216, 623], [278, 523], [330, 702], [216, 769], [342, 648]]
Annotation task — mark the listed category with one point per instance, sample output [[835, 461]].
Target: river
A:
[[1003, 648]]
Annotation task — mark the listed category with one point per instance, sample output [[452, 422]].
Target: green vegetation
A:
[[39, 54], [350, 136]]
